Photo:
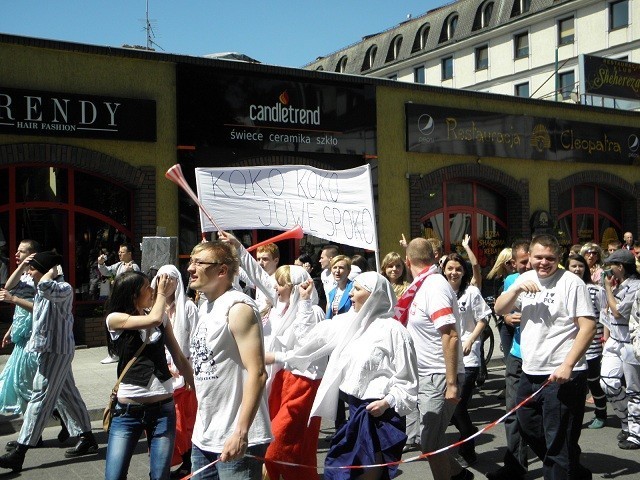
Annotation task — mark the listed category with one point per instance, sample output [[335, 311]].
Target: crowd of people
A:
[[243, 364]]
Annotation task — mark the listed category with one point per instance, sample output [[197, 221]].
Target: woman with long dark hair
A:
[[473, 318], [145, 396]]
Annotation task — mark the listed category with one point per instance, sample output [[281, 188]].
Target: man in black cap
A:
[[53, 385]]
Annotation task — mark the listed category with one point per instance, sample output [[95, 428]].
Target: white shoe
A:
[[109, 359]]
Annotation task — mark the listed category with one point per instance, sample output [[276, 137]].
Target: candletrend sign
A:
[[451, 131], [610, 78], [36, 112], [270, 112], [336, 205]]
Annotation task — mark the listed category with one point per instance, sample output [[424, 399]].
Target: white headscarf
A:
[[178, 322], [298, 276], [379, 305]]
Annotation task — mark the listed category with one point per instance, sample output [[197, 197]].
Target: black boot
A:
[[86, 444], [15, 458], [63, 436], [13, 444]]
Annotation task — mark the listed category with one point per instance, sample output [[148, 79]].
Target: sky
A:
[[277, 32]]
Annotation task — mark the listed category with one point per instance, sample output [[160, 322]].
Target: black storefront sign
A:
[[610, 78], [450, 131], [270, 112], [37, 112]]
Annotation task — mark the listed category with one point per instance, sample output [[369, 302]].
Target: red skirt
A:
[[294, 441], [186, 409]]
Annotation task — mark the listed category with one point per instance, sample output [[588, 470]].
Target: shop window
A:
[[589, 213], [72, 211], [468, 208], [618, 14], [521, 90], [418, 74], [420, 40], [567, 84], [341, 67], [566, 31], [369, 58], [482, 57], [447, 68], [521, 45], [394, 48], [41, 184]]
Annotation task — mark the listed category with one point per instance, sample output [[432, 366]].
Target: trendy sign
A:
[[35, 112], [607, 77], [217, 107], [334, 205], [450, 131]]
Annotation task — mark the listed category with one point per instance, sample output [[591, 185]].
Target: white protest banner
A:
[[335, 205]]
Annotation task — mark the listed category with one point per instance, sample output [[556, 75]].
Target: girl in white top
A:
[[472, 320], [183, 315], [145, 401], [373, 366]]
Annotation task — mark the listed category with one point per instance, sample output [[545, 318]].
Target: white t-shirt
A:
[[547, 325], [434, 306], [219, 377], [328, 282], [473, 309]]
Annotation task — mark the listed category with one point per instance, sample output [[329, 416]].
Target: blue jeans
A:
[[129, 421], [245, 468]]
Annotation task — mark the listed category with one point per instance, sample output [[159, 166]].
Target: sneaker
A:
[[109, 359], [622, 435], [628, 445], [596, 423], [463, 475]]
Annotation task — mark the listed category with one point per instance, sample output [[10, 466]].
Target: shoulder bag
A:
[[107, 415]]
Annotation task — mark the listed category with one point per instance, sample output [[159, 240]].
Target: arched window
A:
[[520, 7], [461, 207], [67, 209], [394, 48], [589, 213], [369, 58], [449, 28], [341, 67], [483, 16], [420, 42]]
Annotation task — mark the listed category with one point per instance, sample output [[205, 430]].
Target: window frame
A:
[[394, 49], [566, 39], [516, 89], [611, 7], [369, 58], [477, 51], [566, 95], [341, 66], [421, 38], [418, 71], [516, 49], [443, 62]]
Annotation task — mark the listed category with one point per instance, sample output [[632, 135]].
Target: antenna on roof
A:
[[150, 33]]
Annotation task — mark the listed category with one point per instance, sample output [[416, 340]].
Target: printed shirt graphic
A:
[[219, 377]]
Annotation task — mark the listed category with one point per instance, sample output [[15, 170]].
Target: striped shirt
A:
[[598, 298], [25, 288], [52, 318]]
